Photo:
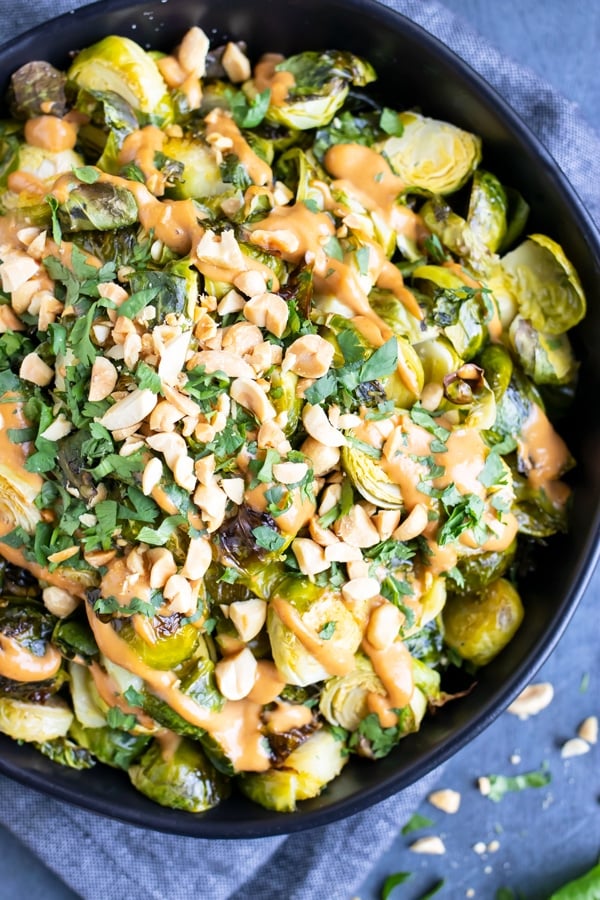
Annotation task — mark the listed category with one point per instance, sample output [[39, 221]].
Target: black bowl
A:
[[414, 70]]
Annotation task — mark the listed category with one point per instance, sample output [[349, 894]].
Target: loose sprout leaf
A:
[[390, 122], [500, 785], [416, 822], [586, 887], [393, 881]]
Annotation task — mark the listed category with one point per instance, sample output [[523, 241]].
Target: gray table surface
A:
[[539, 838]]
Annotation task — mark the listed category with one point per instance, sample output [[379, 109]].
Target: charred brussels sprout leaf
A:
[[67, 753], [537, 514], [183, 779], [481, 569], [74, 637], [36, 89], [110, 746], [97, 207]]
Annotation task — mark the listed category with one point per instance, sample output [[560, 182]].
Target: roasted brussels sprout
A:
[[306, 772], [97, 207], [119, 64], [115, 748], [547, 359], [34, 722], [479, 626], [317, 85], [36, 89], [546, 285], [431, 155], [487, 210], [67, 753], [344, 698], [179, 776], [370, 479]]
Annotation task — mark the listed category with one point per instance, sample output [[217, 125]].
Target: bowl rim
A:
[[201, 825]]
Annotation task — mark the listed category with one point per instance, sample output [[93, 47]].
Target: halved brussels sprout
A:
[[37, 722], [45, 166], [547, 359], [456, 234], [318, 608], [319, 86], [497, 365], [306, 772], [537, 513], [546, 285], [480, 569], [479, 626], [487, 209], [432, 155], [37, 89], [344, 698], [369, 479], [119, 64], [439, 358], [97, 207], [201, 175], [181, 778], [395, 314], [405, 383], [467, 391], [172, 646], [85, 698]]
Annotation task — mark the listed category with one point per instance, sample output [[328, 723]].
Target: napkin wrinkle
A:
[[101, 858]]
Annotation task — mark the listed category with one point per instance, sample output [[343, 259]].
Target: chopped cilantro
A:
[[494, 471], [380, 740], [56, 229], [133, 696], [267, 538], [249, 113], [137, 302], [392, 881], [333, 249], [363, 255], [327, 631], [500, 785], [416, 822], [464, 516], [87, 174], [158, 537], [148, 378], [311, 205], [120, 720]]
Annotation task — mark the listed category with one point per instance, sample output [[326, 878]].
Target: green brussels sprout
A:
[[514, 408], [181, 779], [111, 119], [285, 399], [176, 287], [427, 681], [432, 155], [479, 626], [321, 81], [45, 165], [67, 753], [317, 608], [201, 176], [439, 359], [456, 234], [546, 285], [546, 359], [119, 64], [298, 171], [467, 390], [536, 512], [36, 89], [487, 210], [517, 215], [344, 698], [497, 365], [395, 314], [462, 316], [480, 569], [405, 383], [110, 246], [174, 643], [23, 720], [306, 772], [100, 206], [27, 624], [111, 746], [369, 478]]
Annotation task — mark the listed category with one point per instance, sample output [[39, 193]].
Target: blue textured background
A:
[[545, 836]]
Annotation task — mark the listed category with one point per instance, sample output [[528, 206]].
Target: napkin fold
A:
[[101, 858]]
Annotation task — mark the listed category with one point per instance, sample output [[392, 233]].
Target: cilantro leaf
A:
[[137, 302], [393, 881], [327, 631], [500, 785], [87, 174], [382, 362], [267, 538], [465, 515], [120, 720], [133, 696], [158, 537], [416, 822], [249, 113]]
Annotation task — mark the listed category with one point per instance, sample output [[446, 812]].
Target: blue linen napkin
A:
[[332, 860]]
